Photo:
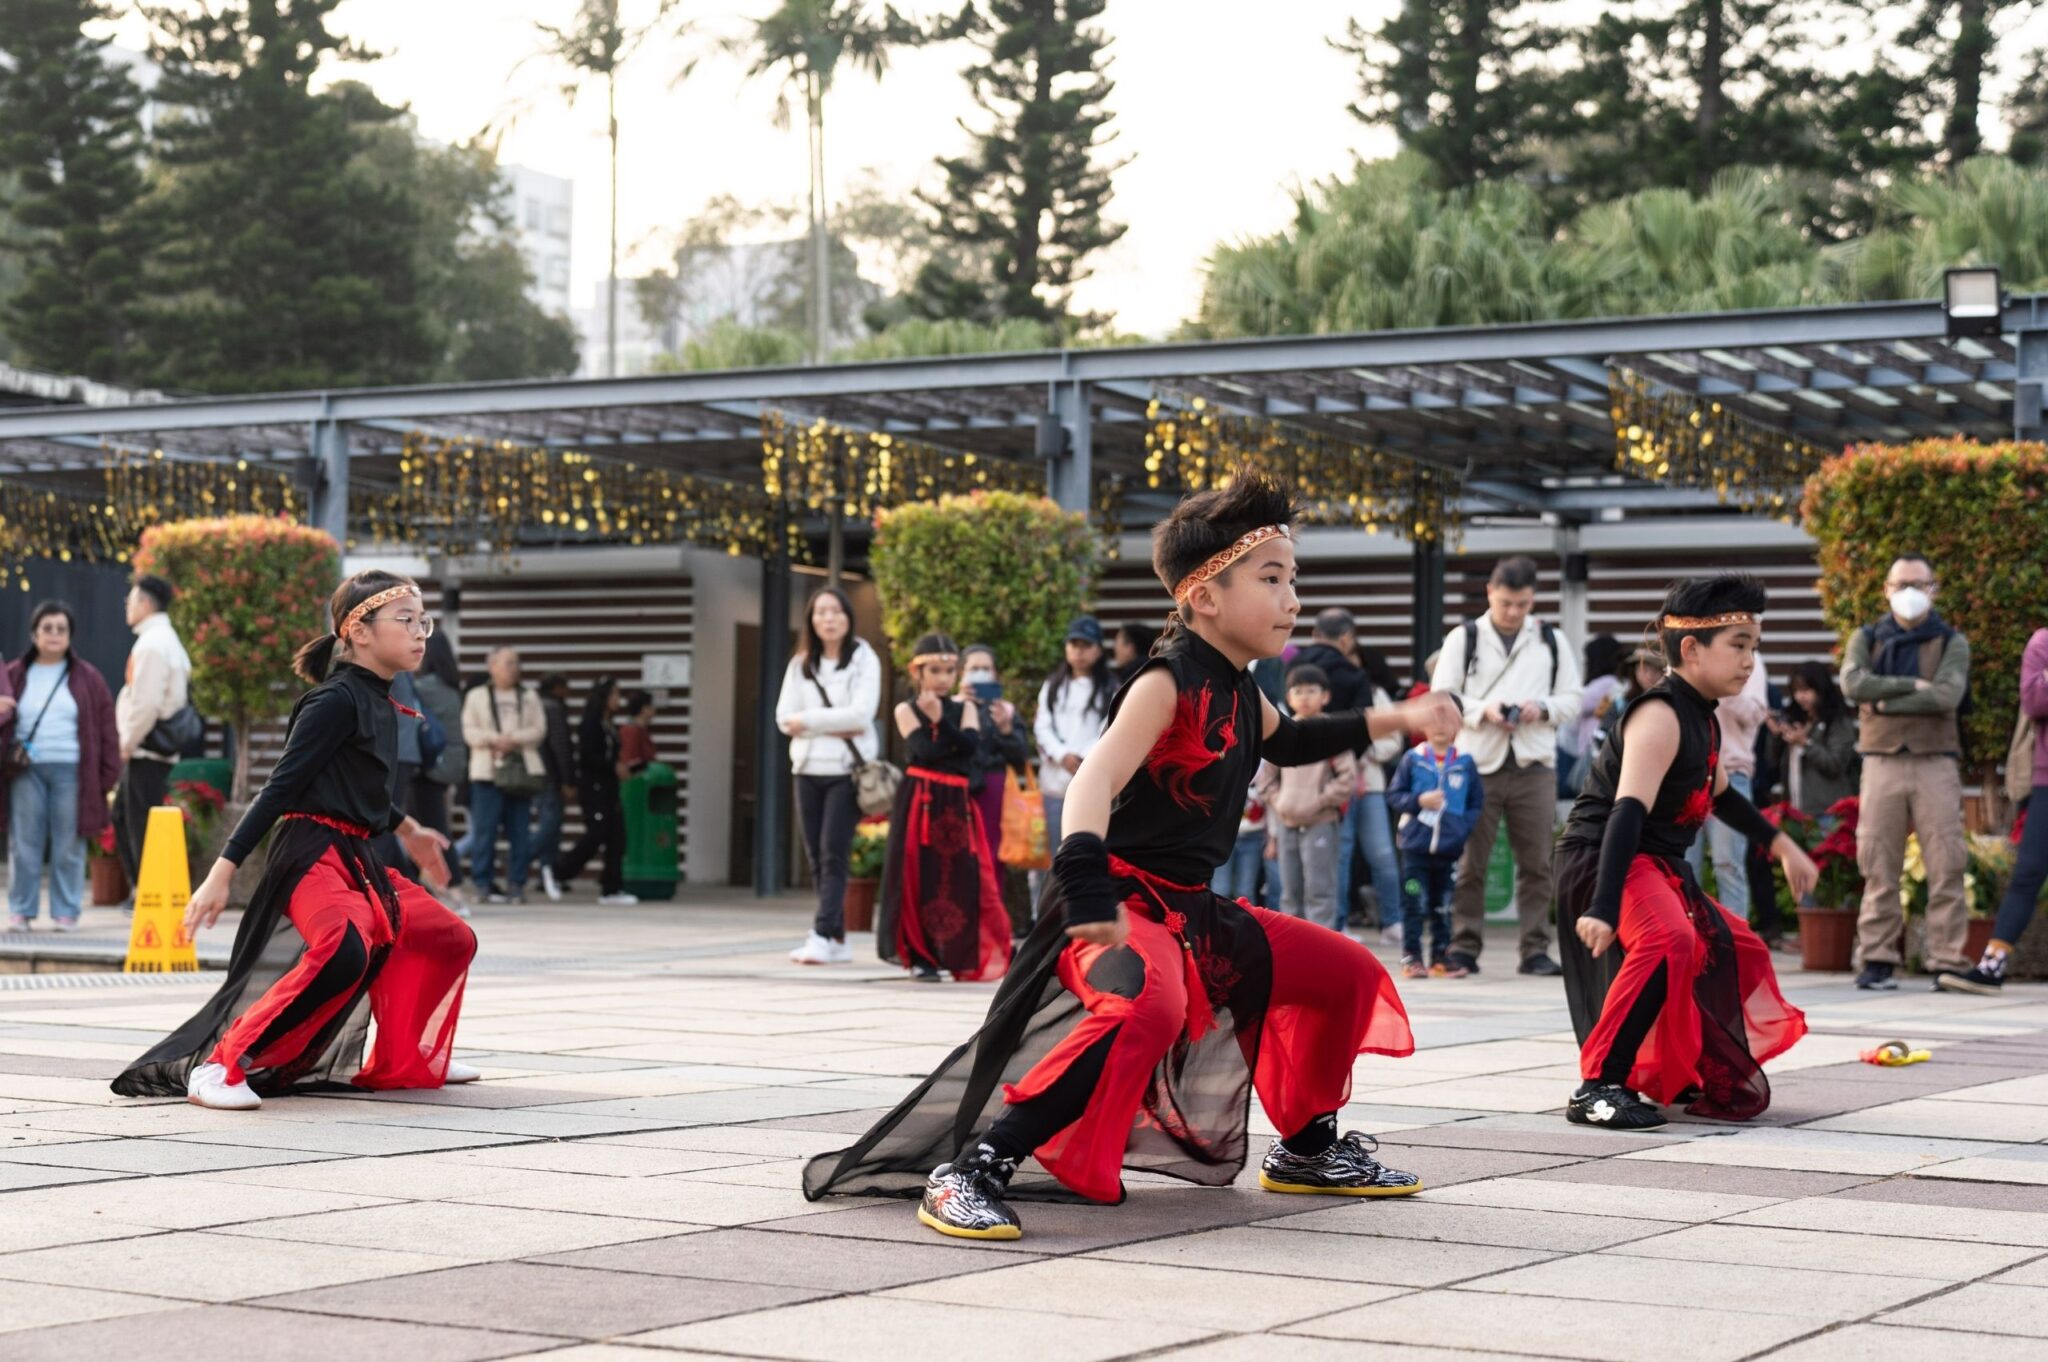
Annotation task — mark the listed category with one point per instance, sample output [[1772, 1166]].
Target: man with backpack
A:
[[1516, 678], [1909, 674]]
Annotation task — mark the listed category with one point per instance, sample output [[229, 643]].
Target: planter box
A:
[[860, 905], [109, 881], [1827, 938]]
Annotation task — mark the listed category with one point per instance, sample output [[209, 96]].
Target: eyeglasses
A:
[[423, 625]]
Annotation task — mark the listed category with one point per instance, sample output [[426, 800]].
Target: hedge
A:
[[1979, 513], [988, 567]]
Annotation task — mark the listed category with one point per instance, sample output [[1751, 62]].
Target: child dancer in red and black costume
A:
[[1687, 1009], [942, 905], [1143, 1010], [331, 938]]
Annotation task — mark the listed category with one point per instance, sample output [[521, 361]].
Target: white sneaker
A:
[[617, 900], [816, 950], [461, 1073], [18, 923], [550, 885], [841, 953], [208, 1086]]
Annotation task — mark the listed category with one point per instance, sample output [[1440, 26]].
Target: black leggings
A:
[[604, 827], [1635, 1028], [826, 806]]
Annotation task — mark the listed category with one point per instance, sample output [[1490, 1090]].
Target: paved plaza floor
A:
[[623, 1185]]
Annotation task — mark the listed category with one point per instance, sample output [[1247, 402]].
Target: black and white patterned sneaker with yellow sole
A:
[[1346, 1168], [964, 1199]]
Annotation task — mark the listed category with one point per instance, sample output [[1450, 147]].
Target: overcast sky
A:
[[1224, 106]]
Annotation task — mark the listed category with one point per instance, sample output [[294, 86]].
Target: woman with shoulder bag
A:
[[830, 693], [1073, 709], [63, 758]]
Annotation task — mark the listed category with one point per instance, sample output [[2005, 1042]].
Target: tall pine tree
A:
[[69, 140], [288, 264], [1032, 191]]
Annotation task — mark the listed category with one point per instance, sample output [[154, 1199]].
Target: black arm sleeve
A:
[[1737, 812], [1617, 849], [1080, 873], [325, 721], [1303, 742]]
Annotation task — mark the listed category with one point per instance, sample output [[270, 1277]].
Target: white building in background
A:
[[639, 343], [543, 211]]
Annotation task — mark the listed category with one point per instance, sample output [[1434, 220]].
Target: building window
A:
[[558, 220], [534, 211]]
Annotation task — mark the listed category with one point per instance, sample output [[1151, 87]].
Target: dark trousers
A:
[[604, 828], [826, 806], [1426, 886], [143, 786], [2016, 909]]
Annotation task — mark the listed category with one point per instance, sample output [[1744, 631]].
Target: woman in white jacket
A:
[[1073, 709], [827, 707]]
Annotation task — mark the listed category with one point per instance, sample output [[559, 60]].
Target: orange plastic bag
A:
[[1024, 840]]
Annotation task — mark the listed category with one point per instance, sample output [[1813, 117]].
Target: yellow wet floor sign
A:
[[157, 940]]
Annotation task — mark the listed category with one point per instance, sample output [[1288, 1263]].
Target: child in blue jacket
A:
[[1436, 792]]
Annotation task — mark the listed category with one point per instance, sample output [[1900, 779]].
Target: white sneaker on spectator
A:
[[461, 1073], [816, 950], [67, 924], [18, 923], [550, 885], [208, 1086], [841, 953], [619, 900]]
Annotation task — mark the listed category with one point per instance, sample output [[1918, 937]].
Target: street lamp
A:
[[1973, 300]]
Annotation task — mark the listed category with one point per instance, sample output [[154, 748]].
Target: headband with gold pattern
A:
[[1217, 565], [1706, 621], [926, 659], [384, 597]]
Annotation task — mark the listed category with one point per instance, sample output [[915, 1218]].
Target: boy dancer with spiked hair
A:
[[1687, 1009], [1143, 1010]]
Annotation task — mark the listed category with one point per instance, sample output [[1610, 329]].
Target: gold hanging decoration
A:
[[1675, 438], [811, 465]]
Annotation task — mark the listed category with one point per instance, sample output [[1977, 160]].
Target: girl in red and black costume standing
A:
[[1688, 1009], [942, 904], [1143, 1010], [331, 938]]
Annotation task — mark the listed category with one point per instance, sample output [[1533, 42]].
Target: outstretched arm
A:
[[1301, 742]]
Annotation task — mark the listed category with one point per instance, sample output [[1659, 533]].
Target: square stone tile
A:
[[1845, 1215], [408, 1177], [2034, 1273], [1558, 1327], [22, 1229], [1333, 1257], [229, 1331], [1099, 1289], [173, 1203], [1768, 1246], [722, 1107], [1990, 1196], [536, 1298], [798, 1260], [1294, 1348], [1050, 1227], [1422, 1217], [685, 1200], [592, 1158], [2031, 1091], [1554, 1137], [38, 1305], [15, 1176], [1816, 1151], [546, 1123], [206, 1266], [1934, 1116], [470, 1233], [1807, 1294], [344, 1137], [1982, 1307], [877, 1329], [157, 1157], [1883, 1342], [758, 1141], [1440, 1167], [1606, 1200], [1718, 1180]]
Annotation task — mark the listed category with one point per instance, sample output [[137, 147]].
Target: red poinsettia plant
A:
[[1833, 852]]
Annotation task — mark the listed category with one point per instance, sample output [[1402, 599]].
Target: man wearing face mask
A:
[[1909, 674]]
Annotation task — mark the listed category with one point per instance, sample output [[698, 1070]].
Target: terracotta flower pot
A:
[[1827, 938], [109, 881], [860, 905], [1977, 938]]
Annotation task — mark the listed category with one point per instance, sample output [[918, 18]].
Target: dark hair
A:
[[157, 589], [1820, 679], [594, 714], [1603, 656], [933, 643], [1203, 525], [1922, 559], [1378, 671], [988, 648], [550, 681], [1308, 674], [1728, 593], [1334, 623], [1516, 573], [637, 700], [313, 659], [1141, 637], [814, 647], [1101, 674], [43, 610], [440, 663]]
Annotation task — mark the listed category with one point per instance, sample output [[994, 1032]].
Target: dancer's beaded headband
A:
[[384, 597], [926, 659], [1682, 622], [1220, 563]]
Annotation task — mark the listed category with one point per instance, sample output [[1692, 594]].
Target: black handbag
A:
[[16, 759], [175, 732]]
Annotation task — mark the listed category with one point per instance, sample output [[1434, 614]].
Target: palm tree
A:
[[806, 40]]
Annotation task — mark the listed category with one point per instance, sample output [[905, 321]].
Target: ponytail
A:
[[312, 661]]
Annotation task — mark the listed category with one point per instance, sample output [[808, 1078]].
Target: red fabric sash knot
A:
[[1201, 1017], [408, 713]]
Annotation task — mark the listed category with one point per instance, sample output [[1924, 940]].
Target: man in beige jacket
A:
[[502, 720], [157, 684]]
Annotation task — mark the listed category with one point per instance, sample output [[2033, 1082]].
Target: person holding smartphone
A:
[[1004, 748]]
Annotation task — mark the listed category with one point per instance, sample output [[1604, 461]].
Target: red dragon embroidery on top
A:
[[1701, 802], [1183, 750]]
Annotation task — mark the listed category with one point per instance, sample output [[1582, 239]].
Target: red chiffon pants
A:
[[414, 998]]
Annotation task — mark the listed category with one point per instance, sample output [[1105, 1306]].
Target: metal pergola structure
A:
[[1521, 412]]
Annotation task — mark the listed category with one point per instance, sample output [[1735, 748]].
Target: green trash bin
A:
[[206, 770], [1500, 880], [650, 803]]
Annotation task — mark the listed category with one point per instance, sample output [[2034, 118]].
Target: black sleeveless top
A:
[[1685, 797], [942, 745], [1177, 817]]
